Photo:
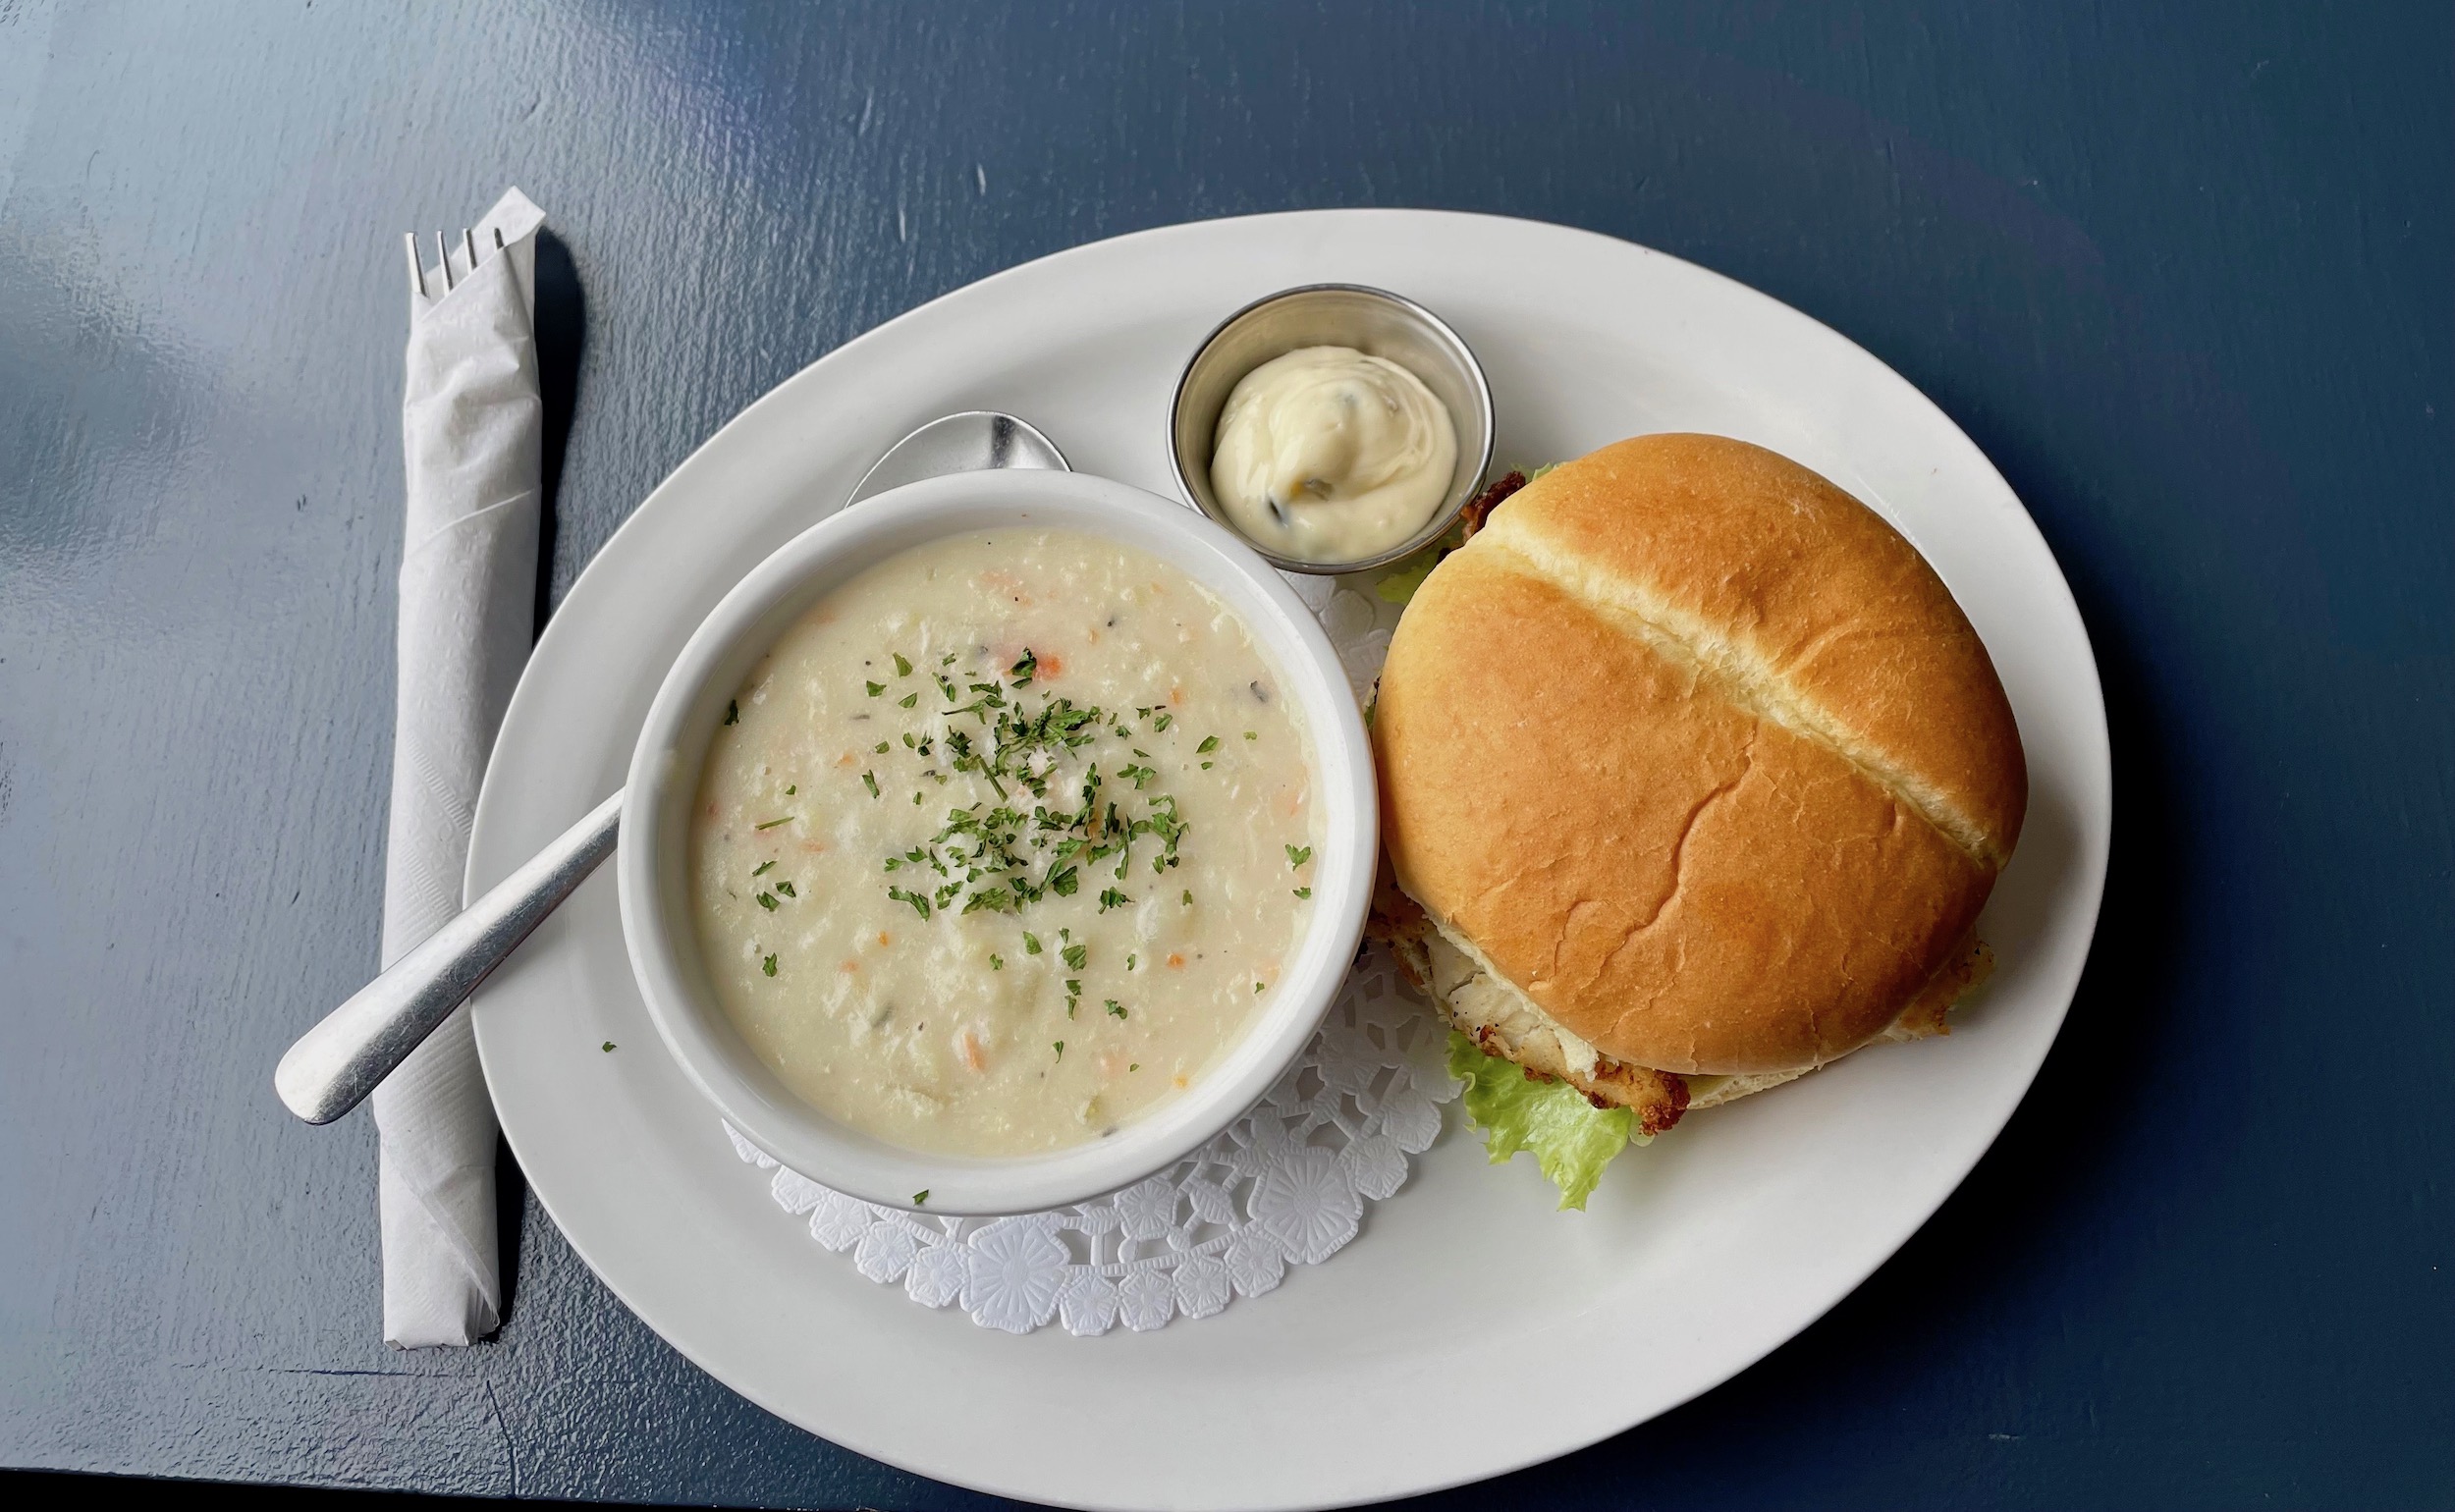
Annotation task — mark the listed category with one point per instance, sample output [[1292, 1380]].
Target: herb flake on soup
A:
[[1004, 843]]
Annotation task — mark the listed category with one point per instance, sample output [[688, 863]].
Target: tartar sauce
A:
[[1328, 454]]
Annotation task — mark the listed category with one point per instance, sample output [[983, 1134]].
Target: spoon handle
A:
[[338, 1062]]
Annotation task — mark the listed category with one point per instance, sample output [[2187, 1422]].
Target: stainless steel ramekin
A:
[[1372, 321]]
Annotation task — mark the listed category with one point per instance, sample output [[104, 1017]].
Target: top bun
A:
[[1699, 755]]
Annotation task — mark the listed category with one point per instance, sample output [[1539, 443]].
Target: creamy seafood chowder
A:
[[1004, 843]]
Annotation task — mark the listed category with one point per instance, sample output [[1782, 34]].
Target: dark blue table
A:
[[2183, 271]]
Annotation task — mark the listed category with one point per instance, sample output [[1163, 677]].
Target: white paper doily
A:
[[1286, 1185]]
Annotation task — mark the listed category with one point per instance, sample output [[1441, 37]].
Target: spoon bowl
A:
[[973, 441]]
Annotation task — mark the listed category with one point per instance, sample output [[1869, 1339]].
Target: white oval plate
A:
[[1698, 1254]]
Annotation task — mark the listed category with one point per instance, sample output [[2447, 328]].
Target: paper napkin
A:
[[471, 427]]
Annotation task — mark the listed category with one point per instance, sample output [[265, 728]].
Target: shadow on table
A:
[[73, 1489], [562, 339], [562, 324]]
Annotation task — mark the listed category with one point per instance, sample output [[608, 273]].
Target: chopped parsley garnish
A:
[[1136, 1066], [1257, 986], [790, 791], [785, 888], [1031, 944], [1130, 961], [763, 868], [907, 700], [733, 711], [1297, 855], [768, 966], [902, 668], [920, 903], [996, 961], [1045, 824], [1116, 1009], [773, 823], [880, 749], [607, 1047], [1250, 735], [1209, 744], [1060, 1050], [1075, 955], [767, 901], [920, 1198], [995, 899], [1189, 897], [1160, 723], [875, 689], [870, 781]]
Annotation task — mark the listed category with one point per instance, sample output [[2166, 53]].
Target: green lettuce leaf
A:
[[1399, 580], [1572, 1140]]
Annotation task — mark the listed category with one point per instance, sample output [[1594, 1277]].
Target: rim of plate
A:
[[1742, 1224]]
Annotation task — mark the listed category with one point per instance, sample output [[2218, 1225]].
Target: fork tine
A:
[[443, 253]]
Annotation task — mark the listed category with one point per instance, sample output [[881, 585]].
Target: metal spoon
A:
[[974, 441], [335, 1064]]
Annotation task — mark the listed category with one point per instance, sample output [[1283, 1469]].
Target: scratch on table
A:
[[510, 1456]]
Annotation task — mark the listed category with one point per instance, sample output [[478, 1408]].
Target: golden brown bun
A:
[[1701, 755]]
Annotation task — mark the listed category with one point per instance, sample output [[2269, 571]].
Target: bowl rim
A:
[[668, 758], [1451, 507]]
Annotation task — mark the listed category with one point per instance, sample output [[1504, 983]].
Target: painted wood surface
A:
[[2182, 270]]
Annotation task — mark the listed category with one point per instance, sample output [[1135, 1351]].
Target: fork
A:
[[443, 254]]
